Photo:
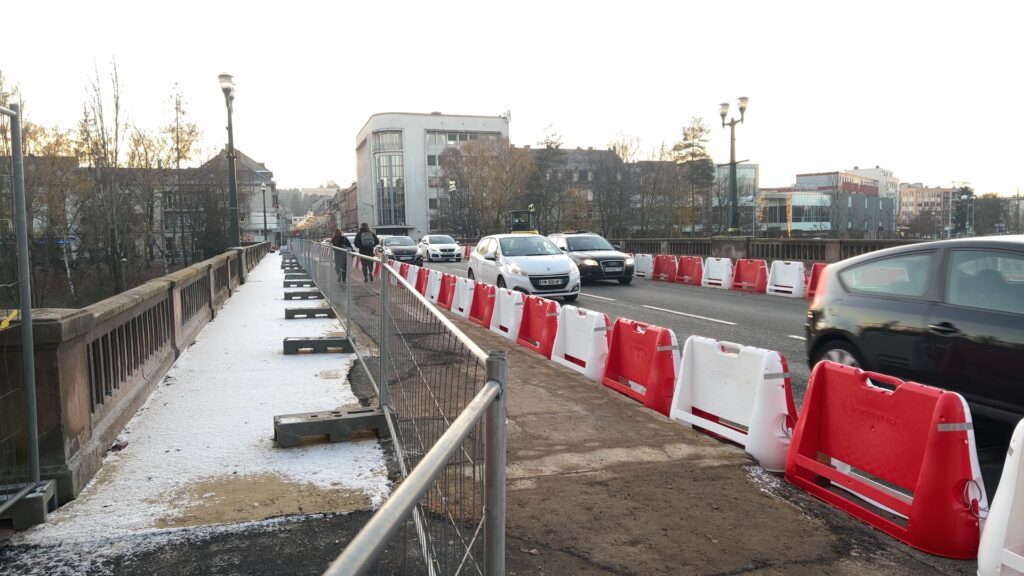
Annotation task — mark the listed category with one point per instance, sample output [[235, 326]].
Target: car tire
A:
[[625, 280], [501, 282], [571, 298], [840, 352]]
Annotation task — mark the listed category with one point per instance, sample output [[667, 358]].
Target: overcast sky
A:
[[927, 89]]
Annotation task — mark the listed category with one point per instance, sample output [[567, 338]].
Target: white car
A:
[[529, 263], [439, 247]]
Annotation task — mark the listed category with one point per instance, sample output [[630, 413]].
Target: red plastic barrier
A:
[[465, 251], [690, 270], [421, 280], [403, 269], [446, 293], [483, 304], [909, 450], [539, 326], [642, 363], [812, 282], [664, 268], [750, 276]]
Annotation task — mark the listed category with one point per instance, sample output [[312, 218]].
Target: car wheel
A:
[[571, 298], [840, 352], [501, 282], [625, 280], [469, 274]]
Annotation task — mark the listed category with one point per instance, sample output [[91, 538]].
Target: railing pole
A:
[[348, 294], [382, 346], [494, 467]]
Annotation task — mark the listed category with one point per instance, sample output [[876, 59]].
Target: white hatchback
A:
[[529, 263], [439, 247]]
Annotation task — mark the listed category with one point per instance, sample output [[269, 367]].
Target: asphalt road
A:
[[771, 322]]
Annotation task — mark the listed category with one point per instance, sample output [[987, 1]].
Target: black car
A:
[[400, 248], [596, 258], [949, 314]]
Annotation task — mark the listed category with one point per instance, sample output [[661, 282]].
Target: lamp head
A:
[[227, 85], [723, 110]]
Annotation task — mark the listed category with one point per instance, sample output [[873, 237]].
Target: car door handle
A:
[[943, 328]]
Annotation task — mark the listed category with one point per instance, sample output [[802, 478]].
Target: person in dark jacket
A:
[[341, 255], [365, 241]]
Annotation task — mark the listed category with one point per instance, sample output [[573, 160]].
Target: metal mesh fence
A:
[[14, 470]]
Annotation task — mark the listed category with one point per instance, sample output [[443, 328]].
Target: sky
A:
[[926, 89]]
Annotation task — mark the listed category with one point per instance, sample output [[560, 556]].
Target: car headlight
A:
[[629, 261], [516, 270], [589, 262], [574, 270]]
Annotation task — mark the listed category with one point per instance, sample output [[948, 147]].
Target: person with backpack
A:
[[365, 241], [341, 254]]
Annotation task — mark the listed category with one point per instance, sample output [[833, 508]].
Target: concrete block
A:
[[319, 345], [318, 312], [304, 295], [33, 507], [337, 425], [297, 283]]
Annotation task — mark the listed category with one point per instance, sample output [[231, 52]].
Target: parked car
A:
[[949, 314], [400, 248], [596, 258], [439, 247], [529, 263]]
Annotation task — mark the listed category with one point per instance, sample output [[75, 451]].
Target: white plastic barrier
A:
[[717, 273], [1001, 550], [737, 387], [582, 341], [787, 278], [508, 313], [643, 265], [462, 301], [433, 285], [412, 273], [393, 278]]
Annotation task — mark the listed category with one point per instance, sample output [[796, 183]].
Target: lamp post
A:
[[723, 110], [227, 85], [266, 231]]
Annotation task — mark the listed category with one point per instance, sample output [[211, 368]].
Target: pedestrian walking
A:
[[341, 255], [365, 241]]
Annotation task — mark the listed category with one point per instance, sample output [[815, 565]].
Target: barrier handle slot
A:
[[891, 380], [729, 348]]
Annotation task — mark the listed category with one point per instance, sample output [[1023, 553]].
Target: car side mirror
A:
[[491, 256], [617, 247], [563, 248]]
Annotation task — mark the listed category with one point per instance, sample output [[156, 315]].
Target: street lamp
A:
[[266, 231], [227, 85], [723, 110]]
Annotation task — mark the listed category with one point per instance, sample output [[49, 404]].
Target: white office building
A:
[[397, 168]]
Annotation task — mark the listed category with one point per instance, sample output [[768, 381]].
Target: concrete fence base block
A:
[[319, 312], [337, 425], [298, 282], [33, 507], [297, 276], [320, 345], [304, 295]]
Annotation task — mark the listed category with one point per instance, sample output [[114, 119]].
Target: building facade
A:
[[398, 169], [839, 181], [888, 184]]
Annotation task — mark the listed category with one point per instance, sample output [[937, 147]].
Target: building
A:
[[917, 199], [398, 173], [888, 185], [748, 182], [792, 212], [840, 181]]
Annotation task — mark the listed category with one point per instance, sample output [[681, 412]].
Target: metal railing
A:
[[445, 403]]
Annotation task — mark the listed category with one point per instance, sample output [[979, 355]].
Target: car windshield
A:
[[440, 240], [527, 246], [588, 243], [399, 241]]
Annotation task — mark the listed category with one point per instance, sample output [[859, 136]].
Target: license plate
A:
[[405, 257], [550, 282], [613, 269]]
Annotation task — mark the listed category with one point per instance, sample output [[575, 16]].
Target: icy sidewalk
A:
[[201, 452]]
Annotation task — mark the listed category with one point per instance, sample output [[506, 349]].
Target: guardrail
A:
[[444, 400], [805, 249]]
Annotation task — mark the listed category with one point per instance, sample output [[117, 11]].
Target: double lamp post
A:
[[227, 85], [723, 109]]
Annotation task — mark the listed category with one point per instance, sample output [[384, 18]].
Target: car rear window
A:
[[986, 279], [905, 275]]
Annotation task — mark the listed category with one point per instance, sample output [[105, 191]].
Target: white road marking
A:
[[794, 337], [727, 323], [598, 297]]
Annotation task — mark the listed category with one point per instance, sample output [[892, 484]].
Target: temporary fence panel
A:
[[787, 278], [903, 460], [508, 313], [717, 273], [1001, 551], [750, 275], [539, 326], [643, 360], [664, 268], [582, 341], [643, 265], [433, 285], [446, 290], [815, 277], [739, 393], [690, 270], [483, 304], [462, 299]]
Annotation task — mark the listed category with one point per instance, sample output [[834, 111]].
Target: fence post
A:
[[494, 473], [348, 294], [382, 346]]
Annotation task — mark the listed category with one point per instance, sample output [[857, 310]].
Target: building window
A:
[[431, 159], [390, 189], [432, 203], [391, 140]]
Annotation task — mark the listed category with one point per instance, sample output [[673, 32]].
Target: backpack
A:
[[366, 239]]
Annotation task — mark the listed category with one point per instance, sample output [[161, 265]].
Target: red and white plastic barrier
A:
[[787, 278], [642, 363], [739, 393], [462, 299], [909, 451], [412, 272], [717, 273], [508, 313], [433, 285], [539, 326], [483, 304], [1001, 551], [664, 268], [814, 279], [643, 265], [750, 275], [446, 291], [422, 278], [465, 251], [582, 341], [690, 270]]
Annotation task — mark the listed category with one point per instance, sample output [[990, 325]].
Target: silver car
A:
[[529, 263], [438, 247]]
